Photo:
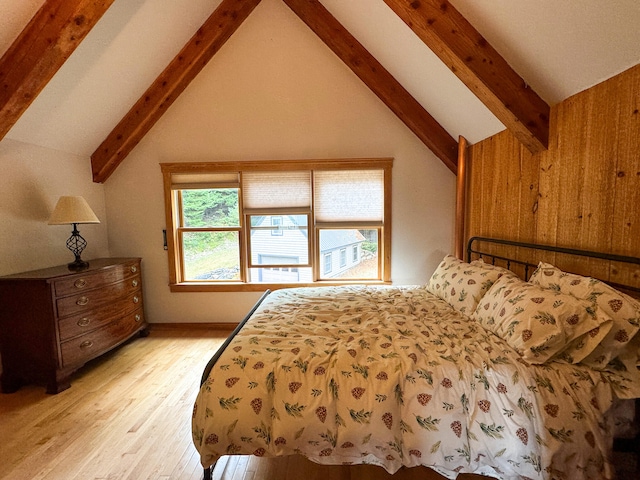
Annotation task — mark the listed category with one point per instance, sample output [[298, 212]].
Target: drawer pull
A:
[[134, 283], [83, 322], [134, 269], [138, 317], [86, 344], [80, 283], [82, 301], [136, 299]]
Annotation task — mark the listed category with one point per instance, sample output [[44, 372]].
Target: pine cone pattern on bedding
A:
[[396, 378]]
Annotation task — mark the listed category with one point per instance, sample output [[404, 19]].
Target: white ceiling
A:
[[559, 47]]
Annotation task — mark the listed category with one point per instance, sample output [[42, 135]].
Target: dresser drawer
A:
[[89, 300], [80, 283], [84, 322], [92, 344]]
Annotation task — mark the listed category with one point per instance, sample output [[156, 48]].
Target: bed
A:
[[481, 370]]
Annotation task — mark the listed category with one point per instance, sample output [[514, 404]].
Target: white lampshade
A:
[[72, 209]]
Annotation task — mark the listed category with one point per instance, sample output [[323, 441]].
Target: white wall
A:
[[275, 91], [32, 179]]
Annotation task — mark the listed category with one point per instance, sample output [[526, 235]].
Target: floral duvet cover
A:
[[394, 376]]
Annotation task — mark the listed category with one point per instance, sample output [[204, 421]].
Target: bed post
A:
[[208, 474], [461, 194]]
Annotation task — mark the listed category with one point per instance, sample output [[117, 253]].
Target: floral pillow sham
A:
[[463, 284], [538, 323], [622, 309]]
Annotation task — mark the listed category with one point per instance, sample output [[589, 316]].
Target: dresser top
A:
[[95, 265]]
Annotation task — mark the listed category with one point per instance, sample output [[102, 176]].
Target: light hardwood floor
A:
[[127, 416]]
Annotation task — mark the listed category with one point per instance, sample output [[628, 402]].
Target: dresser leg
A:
[[144, 332], [57, 387], [59, 383]]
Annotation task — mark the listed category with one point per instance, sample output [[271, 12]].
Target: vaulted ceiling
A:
[[92, 77]]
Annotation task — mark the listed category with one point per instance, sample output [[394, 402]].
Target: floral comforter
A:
[[394, 376]]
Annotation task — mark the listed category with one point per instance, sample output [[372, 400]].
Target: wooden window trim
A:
[[174, 261]]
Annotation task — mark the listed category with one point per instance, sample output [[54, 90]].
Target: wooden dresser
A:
[[53, 321]]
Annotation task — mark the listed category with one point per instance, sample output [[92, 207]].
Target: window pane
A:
[[211, 256], [279, 239], [210, 207], [361, 264], [281, 275]]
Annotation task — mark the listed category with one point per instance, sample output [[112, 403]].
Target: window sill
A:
[[257, 287]]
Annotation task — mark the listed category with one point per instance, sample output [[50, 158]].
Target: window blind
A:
[[190, 181], [349, 195], [276, 189]]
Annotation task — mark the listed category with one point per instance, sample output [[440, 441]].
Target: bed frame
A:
[[493, 251]]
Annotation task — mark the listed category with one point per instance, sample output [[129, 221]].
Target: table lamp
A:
[[73, 210]]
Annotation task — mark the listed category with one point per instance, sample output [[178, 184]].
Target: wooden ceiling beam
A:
[[40, 50], [209, 38], [459, 45], [378, 79]]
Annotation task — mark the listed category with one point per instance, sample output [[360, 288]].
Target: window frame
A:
[[175, 259]]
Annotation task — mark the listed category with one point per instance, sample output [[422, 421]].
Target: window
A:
[[276, 223], [343, 257], [256, 225], [328, 260]]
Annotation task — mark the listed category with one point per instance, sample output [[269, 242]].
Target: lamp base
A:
[[76, 244], [78, 265]]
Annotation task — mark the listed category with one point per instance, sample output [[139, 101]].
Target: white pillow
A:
[[461, 284], [538, 323], [622, 309]]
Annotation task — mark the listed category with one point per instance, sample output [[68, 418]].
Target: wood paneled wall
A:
[[583, 192]]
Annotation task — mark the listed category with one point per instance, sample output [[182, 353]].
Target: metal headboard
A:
[[529, 268]]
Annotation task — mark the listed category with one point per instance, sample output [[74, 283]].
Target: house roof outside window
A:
[[333, 239]]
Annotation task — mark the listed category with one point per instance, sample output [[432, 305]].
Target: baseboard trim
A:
[[193, 326]]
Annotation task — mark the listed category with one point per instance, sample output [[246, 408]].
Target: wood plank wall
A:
[[583, 192]]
